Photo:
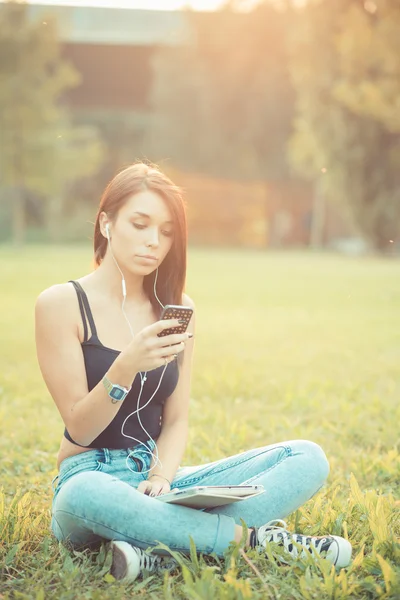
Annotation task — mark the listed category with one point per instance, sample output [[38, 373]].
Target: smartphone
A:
[[172, 311]]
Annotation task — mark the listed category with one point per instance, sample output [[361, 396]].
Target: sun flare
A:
[[137, 4]]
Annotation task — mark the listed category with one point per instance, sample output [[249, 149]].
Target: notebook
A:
[[211, 496]]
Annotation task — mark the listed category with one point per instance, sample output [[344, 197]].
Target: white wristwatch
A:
[[117, 393]]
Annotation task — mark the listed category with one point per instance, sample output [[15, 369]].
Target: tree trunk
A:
[[54, 217], [18, 216], [318, 218]]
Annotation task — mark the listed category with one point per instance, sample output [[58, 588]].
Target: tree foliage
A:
[[223, 105], [41, 151], [346, 73], [326, 77]]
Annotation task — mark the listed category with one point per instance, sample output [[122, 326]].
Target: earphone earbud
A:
[[108, 231]]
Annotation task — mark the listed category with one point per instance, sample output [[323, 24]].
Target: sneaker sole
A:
[[344, 552], [120, 562]]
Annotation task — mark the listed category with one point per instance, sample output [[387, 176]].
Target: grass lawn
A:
[[288, 346]]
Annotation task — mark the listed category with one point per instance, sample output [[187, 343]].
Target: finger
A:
[[160, 326], [179, 328], [167, 355], [156, 489], [169, 352], [175, 338], [144, 487], [165, 360]]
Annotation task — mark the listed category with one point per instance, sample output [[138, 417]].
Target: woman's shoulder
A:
[[57, 309], [56, 298]]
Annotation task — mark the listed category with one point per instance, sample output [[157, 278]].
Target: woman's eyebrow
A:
[[142, 214]]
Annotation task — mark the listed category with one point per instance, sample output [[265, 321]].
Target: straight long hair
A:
[[172, 271]]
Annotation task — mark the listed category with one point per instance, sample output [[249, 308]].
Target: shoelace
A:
[[152, 562], [284, 537], [149, 561]]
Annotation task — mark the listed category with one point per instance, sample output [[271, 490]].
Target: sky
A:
[[142, 4]]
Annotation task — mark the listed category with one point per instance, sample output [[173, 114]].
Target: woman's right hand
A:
[[148, 351]]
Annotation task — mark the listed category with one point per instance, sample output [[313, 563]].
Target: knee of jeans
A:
[[320, 461], [316, 458], [56, 528], [61, 528], [78, 491]]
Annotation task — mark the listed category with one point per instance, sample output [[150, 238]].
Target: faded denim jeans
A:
[[96, 499]]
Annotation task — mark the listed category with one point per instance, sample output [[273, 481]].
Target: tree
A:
[[222, 106], [346, 74], [40, 150], [226, 96]]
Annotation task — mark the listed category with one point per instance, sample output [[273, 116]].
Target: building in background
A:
[[113, 50]]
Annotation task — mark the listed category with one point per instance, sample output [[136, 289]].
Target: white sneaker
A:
[[128, 561], [338, 550]]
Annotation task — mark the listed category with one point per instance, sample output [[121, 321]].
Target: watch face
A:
[[117, 393]]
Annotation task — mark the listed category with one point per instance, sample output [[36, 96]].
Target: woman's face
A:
[[142, 234]]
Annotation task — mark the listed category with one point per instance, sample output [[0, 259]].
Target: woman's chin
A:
[[142, 269]]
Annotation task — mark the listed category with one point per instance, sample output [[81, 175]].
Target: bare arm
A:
[[172, 441], [86, 414]]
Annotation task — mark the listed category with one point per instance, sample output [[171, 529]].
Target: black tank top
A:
[[98, 359]]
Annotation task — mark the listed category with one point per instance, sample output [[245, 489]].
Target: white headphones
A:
[[143, 377]]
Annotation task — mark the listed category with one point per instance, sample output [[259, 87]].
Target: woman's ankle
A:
[[251, 541]]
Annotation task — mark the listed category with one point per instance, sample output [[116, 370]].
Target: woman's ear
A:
[[104, 225]]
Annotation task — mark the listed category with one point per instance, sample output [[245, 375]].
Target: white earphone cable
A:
[[155, 293], [143, 377]]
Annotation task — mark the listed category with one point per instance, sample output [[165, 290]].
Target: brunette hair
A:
[[172, 271]]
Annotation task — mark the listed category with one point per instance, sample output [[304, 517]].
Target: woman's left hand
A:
[[156, 486]]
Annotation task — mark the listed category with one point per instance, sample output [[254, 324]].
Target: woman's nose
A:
[[153, 239]]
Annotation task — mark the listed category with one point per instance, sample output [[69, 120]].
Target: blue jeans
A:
[[96, 498]]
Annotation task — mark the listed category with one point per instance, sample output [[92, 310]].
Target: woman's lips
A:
[[148, 257]]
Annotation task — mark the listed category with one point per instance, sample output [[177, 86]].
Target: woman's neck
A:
[[109, 278]]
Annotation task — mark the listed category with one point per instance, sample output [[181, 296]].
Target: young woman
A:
[[123, 393]]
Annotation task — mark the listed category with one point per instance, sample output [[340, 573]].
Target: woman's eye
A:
[[164, 231]]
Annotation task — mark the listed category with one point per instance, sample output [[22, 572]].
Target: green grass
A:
[[287, 346]]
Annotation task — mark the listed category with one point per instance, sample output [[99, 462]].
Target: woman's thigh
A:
[[246, 467], [291, 473]]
